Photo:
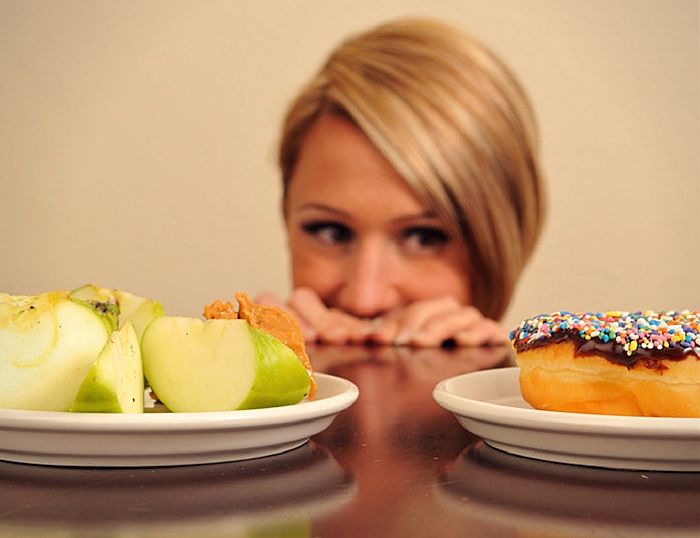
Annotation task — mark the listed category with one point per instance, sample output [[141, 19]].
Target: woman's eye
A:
[[329, 233], [423, 239]]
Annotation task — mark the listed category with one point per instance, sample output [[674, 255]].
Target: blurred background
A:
[[138, 142]]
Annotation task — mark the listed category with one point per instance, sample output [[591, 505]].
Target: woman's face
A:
[[358, 235]]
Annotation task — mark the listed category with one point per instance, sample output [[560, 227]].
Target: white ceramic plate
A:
[[488, 404], [155, 439]]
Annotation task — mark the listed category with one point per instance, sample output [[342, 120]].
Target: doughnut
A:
[[612, 363]]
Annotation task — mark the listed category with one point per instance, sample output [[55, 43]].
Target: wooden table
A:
[[395, 464]]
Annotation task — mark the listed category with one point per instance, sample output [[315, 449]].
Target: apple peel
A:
[[275, 321]]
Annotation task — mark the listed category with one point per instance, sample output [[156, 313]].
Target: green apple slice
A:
[[219, 365], [114, 383], [139, 310], [47, 344], [90, 292], [102, 301]]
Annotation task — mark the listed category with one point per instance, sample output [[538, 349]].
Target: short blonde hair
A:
[[455, 123]]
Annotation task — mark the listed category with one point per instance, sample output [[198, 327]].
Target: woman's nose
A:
[[369, 289]]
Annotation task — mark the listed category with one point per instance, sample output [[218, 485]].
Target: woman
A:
[[412, 194]]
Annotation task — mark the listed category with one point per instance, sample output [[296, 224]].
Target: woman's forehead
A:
[[339, 167]]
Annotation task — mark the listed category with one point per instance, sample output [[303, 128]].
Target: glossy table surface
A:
[[393, 464]]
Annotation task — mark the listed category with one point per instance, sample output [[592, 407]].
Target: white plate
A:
[[489, 404], [155, 439]]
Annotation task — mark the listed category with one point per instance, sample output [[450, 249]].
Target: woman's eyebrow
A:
[[425, 215], [407, 219], [322, 207]]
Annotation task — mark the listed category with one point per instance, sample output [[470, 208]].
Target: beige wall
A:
[[137, 141]]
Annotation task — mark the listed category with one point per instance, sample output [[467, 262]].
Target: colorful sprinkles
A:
[[630, 333]]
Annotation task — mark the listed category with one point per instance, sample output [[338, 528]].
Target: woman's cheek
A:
[[437, 280], [321, 275]]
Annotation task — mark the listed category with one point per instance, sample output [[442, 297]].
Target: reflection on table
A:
[[396, 438], [513, 494], [418, 473], [268, 496]]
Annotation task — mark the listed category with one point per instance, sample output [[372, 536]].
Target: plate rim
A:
[[608, 441], [559, 421]]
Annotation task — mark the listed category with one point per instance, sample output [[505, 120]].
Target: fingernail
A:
[[372, 327], [367, 330], [336, 335], [376, 323], [403, 338]]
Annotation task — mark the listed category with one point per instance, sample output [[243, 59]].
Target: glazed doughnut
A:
[[612, 363]]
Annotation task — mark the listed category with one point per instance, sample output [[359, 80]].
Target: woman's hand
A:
[[427, 323], [320, 323], [431, 322]]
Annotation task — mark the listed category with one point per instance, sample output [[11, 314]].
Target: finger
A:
[[415, 317], [309, 306], [341, 328], [399, 326], [270, 299], [383, 331], [362, 332], [484, 332], [446, 326], [328, 325], [310, 334]]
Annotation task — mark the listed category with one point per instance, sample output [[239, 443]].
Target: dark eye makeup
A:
[[329, 231], [412, 239], [425, 236]]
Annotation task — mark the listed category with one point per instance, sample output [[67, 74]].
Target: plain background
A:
[[138, 139]]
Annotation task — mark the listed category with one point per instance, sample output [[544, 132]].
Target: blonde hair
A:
[[455, 123]]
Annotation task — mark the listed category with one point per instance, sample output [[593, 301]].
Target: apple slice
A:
[[139, 310], [104, 303], [47, 344], [114, 382], [219, 365]]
